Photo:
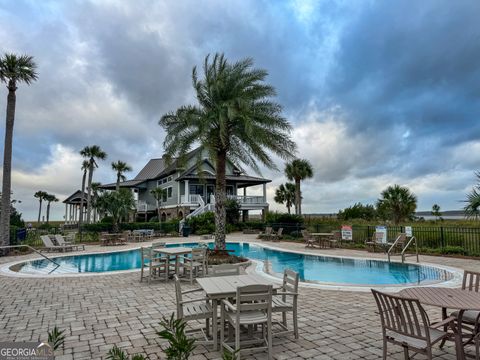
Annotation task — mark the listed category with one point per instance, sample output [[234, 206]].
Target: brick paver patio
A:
[[100, 311]]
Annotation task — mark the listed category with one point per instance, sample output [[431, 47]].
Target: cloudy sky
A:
[[378, 92]]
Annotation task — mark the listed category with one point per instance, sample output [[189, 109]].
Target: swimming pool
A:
[[312, 268]]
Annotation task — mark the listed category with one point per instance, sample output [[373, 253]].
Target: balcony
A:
[[143, 206], [248, 200], [192, 199]]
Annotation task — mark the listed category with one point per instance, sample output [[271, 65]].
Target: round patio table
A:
[[447, 298]]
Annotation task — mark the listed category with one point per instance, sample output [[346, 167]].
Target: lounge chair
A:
[[62, 242], [278, 235], [405, 323], [285, 301], [50, 246], [267, 234]]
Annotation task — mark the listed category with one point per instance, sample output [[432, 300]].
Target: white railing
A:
[[247, 199], [192, 199], [143, 206]]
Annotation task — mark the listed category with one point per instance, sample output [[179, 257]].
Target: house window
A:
[[169, 192], [169, 178], [229, 190], [196, 189], [164, 181], [164, 197]]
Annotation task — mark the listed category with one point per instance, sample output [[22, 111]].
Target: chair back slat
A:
[[471, 281], [280, 232], [290, 281], [268, 230], [198, 254], [225, 270], [305, 234], [159, 244], [402, 315], [254, 298], [47, 241], [178, 297]]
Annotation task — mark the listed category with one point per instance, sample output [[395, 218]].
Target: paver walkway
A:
[[100, 311]]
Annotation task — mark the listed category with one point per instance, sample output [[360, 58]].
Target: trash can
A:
[[185, 230]]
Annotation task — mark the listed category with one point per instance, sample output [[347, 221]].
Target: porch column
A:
[[264, 193], [187, 192], [178, 192], [66, 212], [71, 213], [75, 213], [244, 215]]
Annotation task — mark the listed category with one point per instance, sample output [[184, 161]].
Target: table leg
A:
[[215, 324], [458, 337]]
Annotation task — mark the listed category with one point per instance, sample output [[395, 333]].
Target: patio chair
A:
[[253, 307], [335, 239], [278, 235], [50, 246], [128, 236], [267, 234], [405, 323], [157, 266], [376, 242], [196, 263], [470, 318], [225, 270], [192, 309], [62, 242], [309, 240], [286, 301]]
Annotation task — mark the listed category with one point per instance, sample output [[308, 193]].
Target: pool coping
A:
[[257, 266]]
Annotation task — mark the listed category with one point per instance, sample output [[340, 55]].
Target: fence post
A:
[[442, 239]]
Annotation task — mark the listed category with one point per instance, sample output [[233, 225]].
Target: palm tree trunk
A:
[[220, 199], [7, 166], [298, 210], [117, 186], [39, 211], [48, 212], [288, 209], [89, 192], [80, 218]]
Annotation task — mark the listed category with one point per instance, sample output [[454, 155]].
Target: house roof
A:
[[75, 198], [153, 168], [123, 184]]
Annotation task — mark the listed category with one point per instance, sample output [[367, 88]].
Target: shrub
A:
[[202, 224], [232, 208], [284, 218], [454, 250], [180, 347]]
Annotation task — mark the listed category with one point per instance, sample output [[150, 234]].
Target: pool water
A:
[[314, 268]]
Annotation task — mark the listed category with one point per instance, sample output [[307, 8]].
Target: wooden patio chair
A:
[[196, 263], [309, 240], [253, 307], [375, 243], [405, 323], [192, 309], [470, 318], [286, 300], [225, 270], [278, 235], [153, 267], [335, 239]]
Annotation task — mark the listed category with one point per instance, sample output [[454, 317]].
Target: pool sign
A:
[[408, 231], [381, 234], [347, 233]]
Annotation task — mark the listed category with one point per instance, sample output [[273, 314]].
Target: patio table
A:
[[222, 287], [322, 239], [447, 298], [174, 251]]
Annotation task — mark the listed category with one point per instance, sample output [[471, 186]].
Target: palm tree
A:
[[85, 166], [14, 69], [159, 194], [117, 204], [436, 211], [91, 153], [120, 167], [40, 195], [472, 209], [49, 198], [234, 119], [298, 170], [398, 203], [285, 194]]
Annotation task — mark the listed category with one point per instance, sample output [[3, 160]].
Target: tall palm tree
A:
[[49, 198], [398, 202], [120, 167], [159, 194], [298, 170], [40, 195], [91, 153], [234, 119], [285, 194], [85, 166], [14, 69]]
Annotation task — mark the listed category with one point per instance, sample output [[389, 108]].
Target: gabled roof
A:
[[75, 198], [123, 184], [153, 168]]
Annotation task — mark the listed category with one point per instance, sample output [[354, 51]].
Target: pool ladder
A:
[[34, 250], [391, 251]]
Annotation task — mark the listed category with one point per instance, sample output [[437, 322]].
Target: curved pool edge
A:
[[258, 267]]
